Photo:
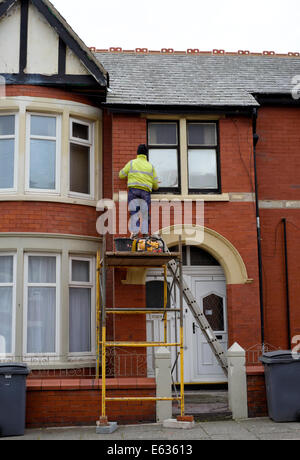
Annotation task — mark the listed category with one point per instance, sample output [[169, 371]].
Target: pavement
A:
[[213, 421], [148, 434]]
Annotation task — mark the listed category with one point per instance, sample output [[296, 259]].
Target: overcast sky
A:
[[232, 25]]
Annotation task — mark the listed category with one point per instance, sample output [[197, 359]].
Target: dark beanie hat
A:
[[142, 149]]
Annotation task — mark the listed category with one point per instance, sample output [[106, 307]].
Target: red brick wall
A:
[[127, 133], [43, 91], [236, 154], [44, 217], [129, 327], [256, 391], [78, 402], [278, 159], [107, 155], [234, 220], [278, 163]]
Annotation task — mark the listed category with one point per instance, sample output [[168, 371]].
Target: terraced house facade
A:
[[222, 129]]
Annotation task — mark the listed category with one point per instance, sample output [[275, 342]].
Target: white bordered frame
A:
[[40, 137], [83, 188], [10, 284], [15, 137], [83, 283], [38, 323]]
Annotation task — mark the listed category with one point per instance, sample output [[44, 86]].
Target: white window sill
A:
[[50, 198], [192, 197]]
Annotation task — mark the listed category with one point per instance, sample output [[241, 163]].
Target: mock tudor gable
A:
[[44, 50]]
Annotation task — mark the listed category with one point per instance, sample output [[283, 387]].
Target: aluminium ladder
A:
[[199, 316]]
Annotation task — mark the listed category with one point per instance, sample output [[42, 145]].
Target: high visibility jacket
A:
[[140, 174]]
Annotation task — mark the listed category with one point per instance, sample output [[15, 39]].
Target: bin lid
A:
[[14, 368], [279, 357]]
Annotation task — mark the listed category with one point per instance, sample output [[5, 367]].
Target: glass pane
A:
[[6, 269], [166, 166], [202, 134], [201, 257], [6, 319], [155, 294], [80, 320], [41, 269], [162, 134], [81, 270], [7, 147], [213, 310], [80, 169], [43, 126], [202, 169], [7, 125], [80, 131], [184, 256], [42, 164], [41, 320]]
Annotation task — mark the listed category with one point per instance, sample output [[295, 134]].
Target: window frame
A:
[[216, 147], [16, 149], [86, 143], [14, 302], [57, 285], [173, 190], [58, 141], [83, 284]]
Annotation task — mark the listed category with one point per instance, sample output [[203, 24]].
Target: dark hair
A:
[[142, 150]]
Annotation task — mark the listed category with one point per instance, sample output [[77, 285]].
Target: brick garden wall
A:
[[71, 402]]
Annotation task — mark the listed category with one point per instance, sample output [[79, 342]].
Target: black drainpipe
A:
[[262, 322], [287, 283]]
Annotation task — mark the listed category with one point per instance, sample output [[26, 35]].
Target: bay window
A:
[[43, 148], [7, 152], [81, 298], [42, 274], [7, 303], [81, 158]]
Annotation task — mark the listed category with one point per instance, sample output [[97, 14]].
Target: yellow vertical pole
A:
[[98, 314], [181, 333], [103, 410], [103, 324], [165, 303]]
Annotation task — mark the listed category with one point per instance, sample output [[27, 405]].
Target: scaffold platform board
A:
[[139, 259]]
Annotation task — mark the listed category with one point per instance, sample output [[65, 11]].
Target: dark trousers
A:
[[139, 203]]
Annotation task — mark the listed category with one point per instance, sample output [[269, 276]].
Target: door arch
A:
[[215, 244]]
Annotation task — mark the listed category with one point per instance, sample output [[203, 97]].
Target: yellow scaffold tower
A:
[[131, 259]]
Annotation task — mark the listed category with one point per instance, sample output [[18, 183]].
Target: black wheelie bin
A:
[[282, 378], [12, 398]]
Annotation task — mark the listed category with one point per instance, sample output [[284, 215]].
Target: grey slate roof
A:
[[196, 80]]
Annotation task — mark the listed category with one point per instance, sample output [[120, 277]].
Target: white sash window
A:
[[7, 303], [81, 305], [42, 275], [8, 166]]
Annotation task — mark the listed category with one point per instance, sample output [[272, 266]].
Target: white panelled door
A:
[[208, 285]]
